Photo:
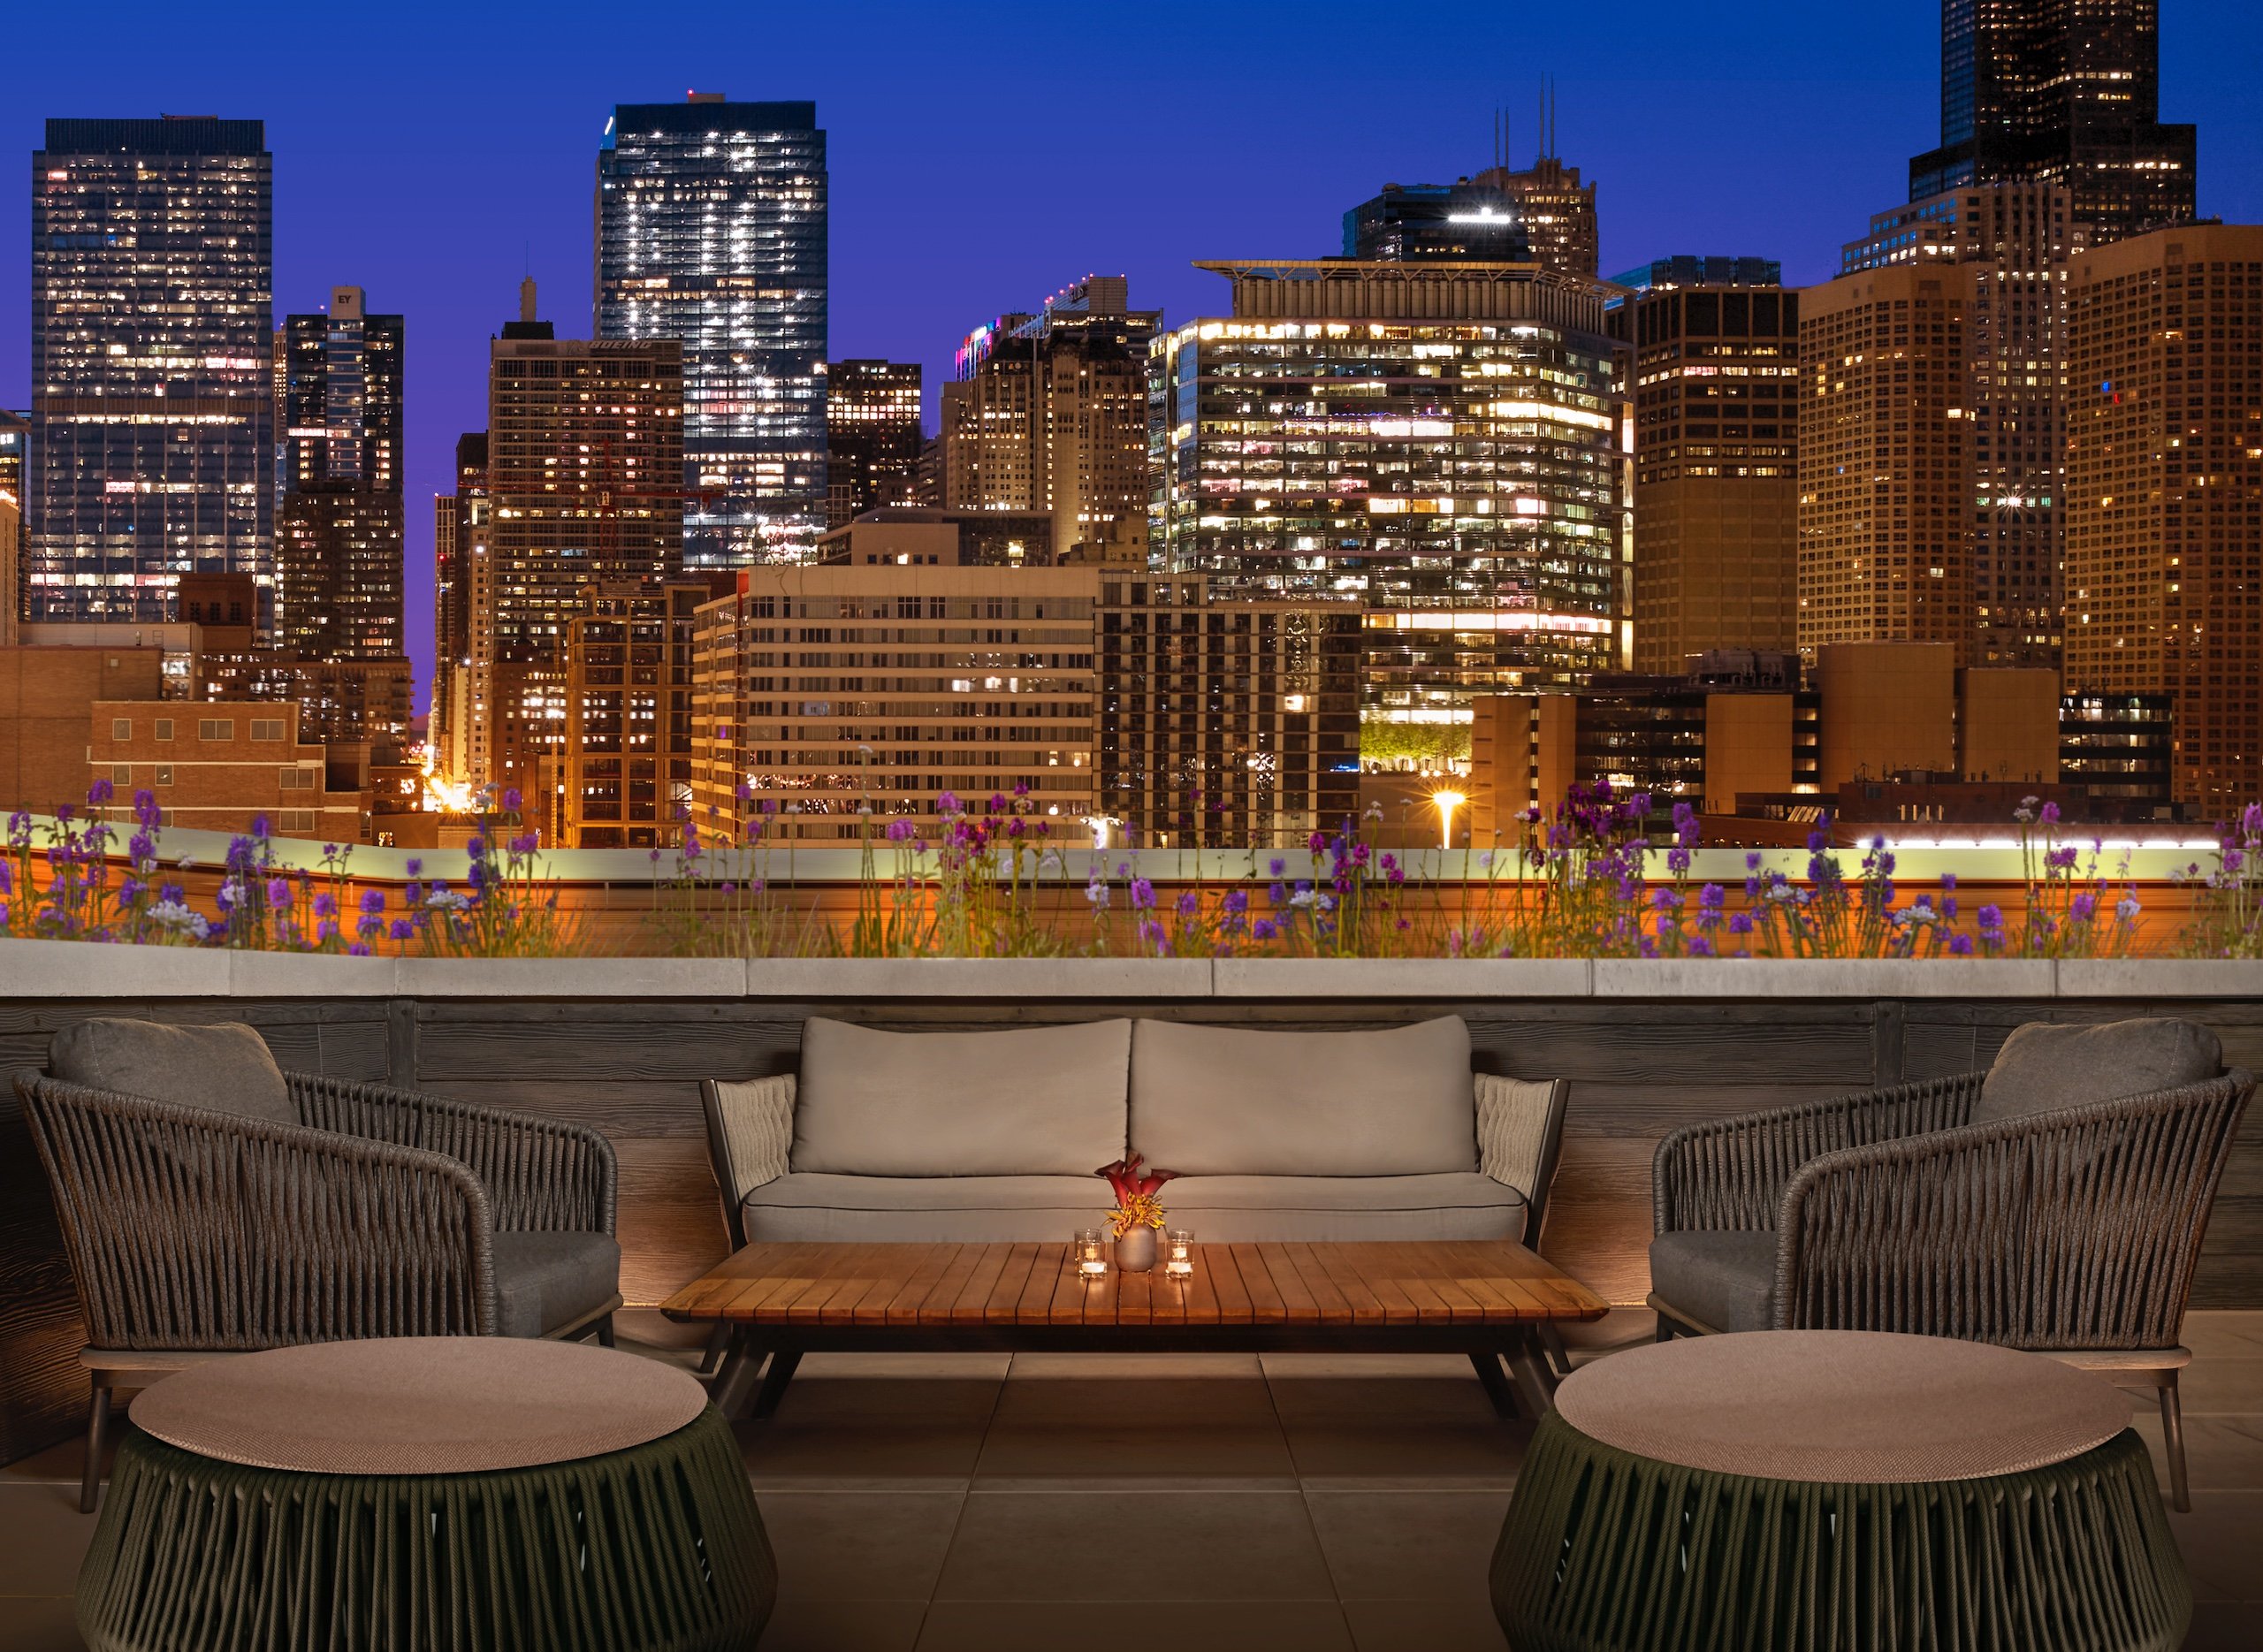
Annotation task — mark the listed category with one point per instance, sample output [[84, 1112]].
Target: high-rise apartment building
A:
[[2060, 91], [828, 691], [339, 556], [1885, 496], [460, 543], [1716, 392], [1457, 223], [712, 232], [873, 432], [15, 449], [1224, 724], [1444, 446], [1051, 415], [624, 769], [152, 439], [584, 457], [2165, 493], [2012, 241]]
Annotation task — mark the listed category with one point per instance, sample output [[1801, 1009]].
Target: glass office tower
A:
[[2048, 91], [1445, 445], [711, 230], [153, 449]]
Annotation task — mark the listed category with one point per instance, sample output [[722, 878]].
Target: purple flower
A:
[[358, 950], [1992, 917], [2049, 815], [1740, 923], [373, 900], [402, 929], [1960, 946], [949, 803], [1236, 901], [1262, 929], [1277, 867], [512, 800], [325, 904], [1143, 894], [278, 893], [416, 867], [99, 793], [1700, 947], [899, 830], [1188, 904]]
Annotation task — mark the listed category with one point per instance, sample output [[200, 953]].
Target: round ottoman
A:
[[1835, 1491], [428, 1492]]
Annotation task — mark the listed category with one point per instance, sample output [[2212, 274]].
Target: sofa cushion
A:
[[805, 1206], [1336, 1209], [1032, 1101], [1726, 1281], [1223, 1209], [2043, 1066], [224, 1067], [1230, 1101], [546, 1280]]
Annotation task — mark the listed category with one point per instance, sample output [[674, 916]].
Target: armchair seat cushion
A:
[[2043, 1066], [1725, 1281], [224, 1067], [546, 1280]]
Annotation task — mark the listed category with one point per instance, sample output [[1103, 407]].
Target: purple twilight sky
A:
[[982, 155]]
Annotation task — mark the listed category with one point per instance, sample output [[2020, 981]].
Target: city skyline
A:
[[914, 266]]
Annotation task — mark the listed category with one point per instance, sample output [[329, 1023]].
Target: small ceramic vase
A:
[[1135, 1252]]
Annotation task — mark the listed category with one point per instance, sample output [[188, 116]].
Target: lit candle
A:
[[1178, 1252], [1092, 1258]]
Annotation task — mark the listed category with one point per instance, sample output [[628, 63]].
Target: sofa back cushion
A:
[[1229, 1101], [222, 1068], [2043, 1066], [1032, 1101]]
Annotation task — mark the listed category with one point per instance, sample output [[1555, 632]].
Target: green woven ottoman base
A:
[[1603, 1549], [656, 1546]]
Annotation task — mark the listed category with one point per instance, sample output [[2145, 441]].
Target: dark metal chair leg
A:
[[605, 1332], [773, 1382], [90, 1481], [734, 1380], [719, 1343], [1536, 1385], [2172, 1428], [1560, 1356], [1495, 1380]]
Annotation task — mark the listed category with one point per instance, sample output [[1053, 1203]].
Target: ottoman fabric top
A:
[[419, 1405], [1868, 1407]]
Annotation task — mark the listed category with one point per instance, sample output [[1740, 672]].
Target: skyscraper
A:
[[2012, 241], [1431, 223], [1716, 378], [2060, 91], [2165, 493], [1555, 208], [710, 231], [1885, 496], [872, 437], [15, 449], [1444, 447], [1050, 414], [460, 545], [152, 403], [585, 455], [338, 555]]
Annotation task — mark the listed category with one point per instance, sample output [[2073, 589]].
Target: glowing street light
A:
[[1447, 802]]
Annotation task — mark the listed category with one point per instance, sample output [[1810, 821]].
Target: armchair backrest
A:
[[2077, 1228], [188, 1228]]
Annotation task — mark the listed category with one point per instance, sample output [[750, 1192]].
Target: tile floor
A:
[[981, 1504]]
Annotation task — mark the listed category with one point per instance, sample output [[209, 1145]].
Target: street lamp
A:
[[1447, 802]]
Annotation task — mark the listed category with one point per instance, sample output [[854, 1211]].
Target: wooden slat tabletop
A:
[[1416, 1283]]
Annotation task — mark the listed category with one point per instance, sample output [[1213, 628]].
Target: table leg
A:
[[734, 1385], [782, 1363], [1536, 1386], [1495, 1379]]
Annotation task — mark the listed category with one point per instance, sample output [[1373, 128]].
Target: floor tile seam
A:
[[958, 1515]]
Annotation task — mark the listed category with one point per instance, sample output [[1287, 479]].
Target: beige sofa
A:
[[1381, 1134]]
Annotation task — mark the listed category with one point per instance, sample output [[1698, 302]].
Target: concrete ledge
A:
[[572, 978], [311, 975], [1824, 977], [2162, 977], [87, 969], [979, 977], [1403, 977]]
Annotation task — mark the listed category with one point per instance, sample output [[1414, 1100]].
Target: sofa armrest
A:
[[1729, 1174], [1520, 1130], [749, 1133], [541, 1175], [2075, 1228]]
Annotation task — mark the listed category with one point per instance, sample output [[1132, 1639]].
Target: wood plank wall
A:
[[1638, 1069]]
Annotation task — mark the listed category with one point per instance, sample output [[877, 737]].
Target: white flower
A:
[[174, 915], [447, 900]]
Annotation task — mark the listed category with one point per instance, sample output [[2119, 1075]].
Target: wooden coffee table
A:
[[1485, 1298]]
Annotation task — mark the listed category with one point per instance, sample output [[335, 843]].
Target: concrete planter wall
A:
[[623, 1043]]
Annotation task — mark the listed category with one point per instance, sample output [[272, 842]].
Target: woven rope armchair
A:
[[193, 1232], [2072, 1232]]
